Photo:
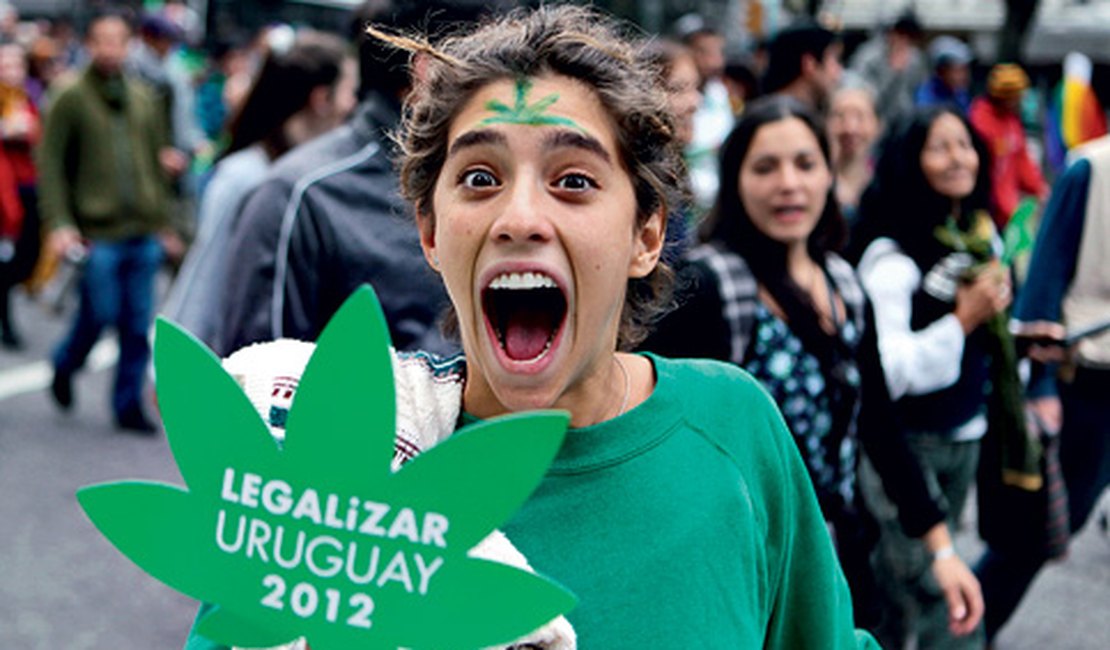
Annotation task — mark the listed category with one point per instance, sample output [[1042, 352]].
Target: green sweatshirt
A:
[[98, 160], [689, 522]]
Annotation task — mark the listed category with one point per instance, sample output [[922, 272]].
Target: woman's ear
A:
[[425, 223], [320, 100], [648, 245]]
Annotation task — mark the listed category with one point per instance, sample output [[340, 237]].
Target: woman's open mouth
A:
[[790, 212], [525, 313]]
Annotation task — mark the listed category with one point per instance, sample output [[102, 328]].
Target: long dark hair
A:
[[901, 204], [283, 88], [730, 223]]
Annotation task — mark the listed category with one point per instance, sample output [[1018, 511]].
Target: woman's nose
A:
[[523, 217], [789, 177]]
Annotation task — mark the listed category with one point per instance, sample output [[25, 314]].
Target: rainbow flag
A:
[[1075, 115]]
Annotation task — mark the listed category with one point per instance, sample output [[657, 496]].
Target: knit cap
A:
[[949, 50], [1007, 81]]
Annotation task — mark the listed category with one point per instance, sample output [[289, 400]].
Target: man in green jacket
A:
[[103, 180]]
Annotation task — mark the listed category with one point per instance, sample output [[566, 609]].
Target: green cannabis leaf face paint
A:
[[524, 113], [319, 538]]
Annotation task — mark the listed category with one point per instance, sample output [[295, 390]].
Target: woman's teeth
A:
[[527, 280]]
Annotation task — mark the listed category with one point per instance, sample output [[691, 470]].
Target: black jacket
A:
[[328, 218]]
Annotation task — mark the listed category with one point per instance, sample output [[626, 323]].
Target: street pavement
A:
[[63, 587]]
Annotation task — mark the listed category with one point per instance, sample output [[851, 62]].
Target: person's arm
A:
[[1052, 268], [1056, 250], [194, 298], [11, 209], [961, 589], [882, 437], [58, 137], [186, 130], [915, 362], [247, 300], [904, 482]]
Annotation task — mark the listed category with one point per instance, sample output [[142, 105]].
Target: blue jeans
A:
[[117, 289]]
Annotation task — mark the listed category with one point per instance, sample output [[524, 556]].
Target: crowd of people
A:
[[576, 207]]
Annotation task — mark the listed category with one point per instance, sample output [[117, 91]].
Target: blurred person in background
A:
[[44, 67], [328, 216], [951, 80], [153, 60], [996, 116], [228, 62], [20, 129], [803, 61], [714, 116], [741, 82], [13, 269], [769, 293], [300, 93], [854, 128], [186, 18], [70, 50], [1067, 289], [9, 23], [675, 63], [893, 63], [104, 182], [930, 267]]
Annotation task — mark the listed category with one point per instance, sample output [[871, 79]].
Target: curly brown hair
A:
[[575, 42]]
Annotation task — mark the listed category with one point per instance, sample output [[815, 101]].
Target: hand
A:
[[61, 240], [1047, 353], [172, 245], [962, 593], [1042, 341], [979, 300], [174, 161], [1047, 412]]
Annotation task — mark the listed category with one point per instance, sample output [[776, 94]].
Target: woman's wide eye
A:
[[807, 164], [575, 182], [478, 178]]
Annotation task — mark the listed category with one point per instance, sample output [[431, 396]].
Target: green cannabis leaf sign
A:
[[318, 537]]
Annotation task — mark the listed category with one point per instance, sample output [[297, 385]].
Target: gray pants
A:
[[914, 609]]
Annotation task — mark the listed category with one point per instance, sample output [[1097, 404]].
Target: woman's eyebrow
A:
[[475, 139], [577, 140]]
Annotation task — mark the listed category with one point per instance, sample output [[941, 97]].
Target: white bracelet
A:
[[944, 553]]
